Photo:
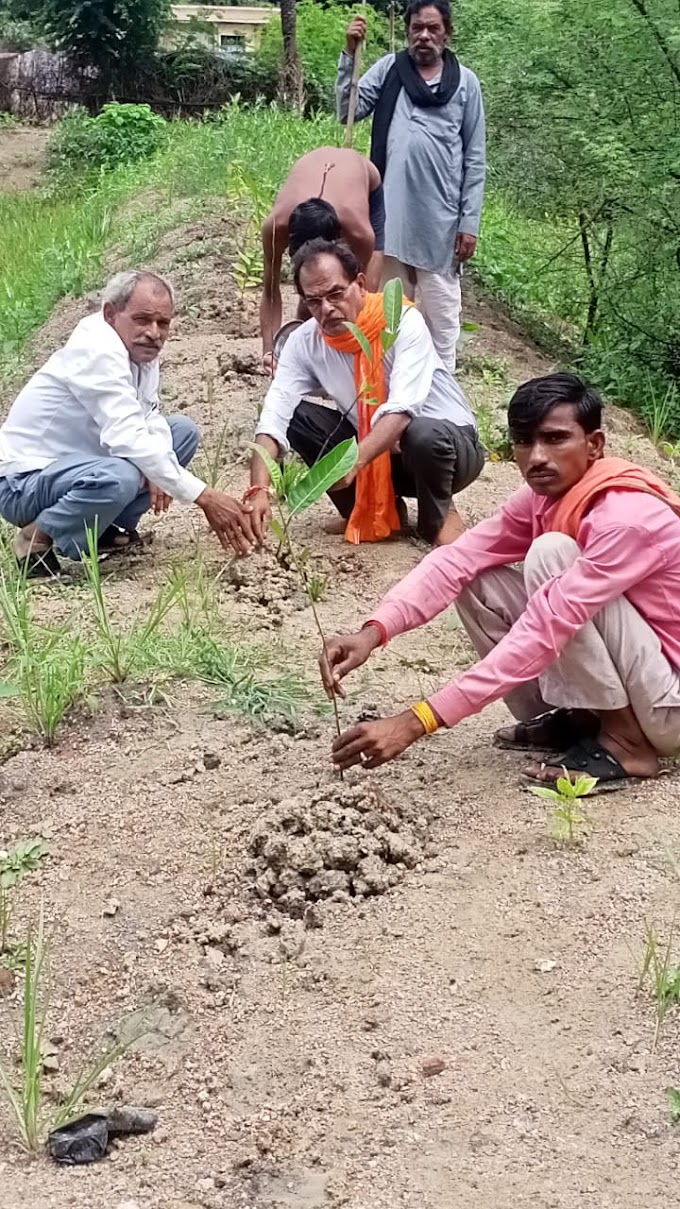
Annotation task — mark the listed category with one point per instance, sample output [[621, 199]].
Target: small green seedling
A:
[[23, 858], [297, 489], [567, 816], [673, 1096], [657, 966]]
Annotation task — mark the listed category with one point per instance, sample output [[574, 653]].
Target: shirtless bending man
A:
[[330, 193]]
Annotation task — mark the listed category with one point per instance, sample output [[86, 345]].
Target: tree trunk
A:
[[291, 82]]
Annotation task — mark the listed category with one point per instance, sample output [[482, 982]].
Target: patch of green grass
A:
[[46, 664], [55, 240], [659, 970], [25, 1094], [237, 671]]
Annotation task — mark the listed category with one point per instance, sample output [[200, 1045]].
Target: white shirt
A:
[[415, 379], [89, 399]]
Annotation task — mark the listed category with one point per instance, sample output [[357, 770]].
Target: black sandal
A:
[[588, 758], [42, 564], [108, 544], [554, 731]]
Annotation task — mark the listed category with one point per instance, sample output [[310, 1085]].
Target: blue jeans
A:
[[72, 493]]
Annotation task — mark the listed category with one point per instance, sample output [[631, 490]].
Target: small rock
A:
[[214, 957], [50, 1063], [128, 1205], [544, 965], [383, 1073], [211, 760], [7, 981], [111, 907], [432, 1065], [206, 1185], [127, 1120]]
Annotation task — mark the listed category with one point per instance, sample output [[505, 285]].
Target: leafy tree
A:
[[292, 79], [109, 35]]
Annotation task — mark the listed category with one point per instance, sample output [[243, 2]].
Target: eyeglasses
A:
[[334, 296]]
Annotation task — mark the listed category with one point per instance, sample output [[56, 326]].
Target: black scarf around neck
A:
[[404, 74]]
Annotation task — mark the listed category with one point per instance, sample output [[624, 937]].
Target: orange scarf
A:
[[374, 515], [605, 475]]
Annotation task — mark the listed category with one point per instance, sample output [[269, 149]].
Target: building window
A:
[[232, 43]]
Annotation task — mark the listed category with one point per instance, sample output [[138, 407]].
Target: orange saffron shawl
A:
[[605, 475], [374, 515]]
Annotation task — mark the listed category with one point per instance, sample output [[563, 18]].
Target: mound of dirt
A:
[[335, 843], [263, 583]]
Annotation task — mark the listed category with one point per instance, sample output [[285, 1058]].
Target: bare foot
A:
[[338, 524], [453, 528]]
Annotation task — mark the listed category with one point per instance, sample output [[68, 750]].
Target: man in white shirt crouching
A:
[[422, 425], [85, 444]]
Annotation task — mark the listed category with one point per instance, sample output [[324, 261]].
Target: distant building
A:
[[227, 29]]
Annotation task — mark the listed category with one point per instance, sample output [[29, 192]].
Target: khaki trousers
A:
[[438, 299], [614, 661]]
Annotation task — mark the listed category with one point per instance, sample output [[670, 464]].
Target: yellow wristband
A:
[[425, 715]]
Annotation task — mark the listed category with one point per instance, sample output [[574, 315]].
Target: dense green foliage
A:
[[321, 37], [120, 134], [582, 228], [111, 35]]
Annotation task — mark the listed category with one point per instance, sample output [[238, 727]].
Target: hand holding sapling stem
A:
[[342, 654], [374, 743]]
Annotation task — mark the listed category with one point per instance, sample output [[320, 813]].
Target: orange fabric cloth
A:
[[374, 515], [605, 475]]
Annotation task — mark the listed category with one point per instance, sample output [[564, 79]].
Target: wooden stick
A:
[[353, 91]]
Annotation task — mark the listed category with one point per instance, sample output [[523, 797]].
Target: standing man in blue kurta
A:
[[428, 143]]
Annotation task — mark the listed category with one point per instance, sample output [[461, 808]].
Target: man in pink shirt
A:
[[583, 643]]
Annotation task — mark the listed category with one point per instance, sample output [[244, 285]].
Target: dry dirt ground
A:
[[471, 1037], [23, 150]]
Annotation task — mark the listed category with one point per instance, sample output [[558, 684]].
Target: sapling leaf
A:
[[273, 469], [550, 795], [393, 303], [322, 475], [8, 690], [278, 530], [361, 339], [468, 326], [387, 339]]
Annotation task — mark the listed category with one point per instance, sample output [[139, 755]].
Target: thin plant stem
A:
[[299, 567]]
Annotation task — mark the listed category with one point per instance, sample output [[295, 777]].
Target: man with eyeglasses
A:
[[423, 427]]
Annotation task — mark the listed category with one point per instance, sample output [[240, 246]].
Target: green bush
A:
[[120, 134]]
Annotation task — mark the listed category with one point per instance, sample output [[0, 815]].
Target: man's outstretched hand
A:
[[374, 743], [342, 654], [229, 519]]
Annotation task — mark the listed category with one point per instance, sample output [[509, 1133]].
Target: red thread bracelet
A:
[[253, 491]]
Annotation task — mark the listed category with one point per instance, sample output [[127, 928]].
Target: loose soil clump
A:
[[334, 843]]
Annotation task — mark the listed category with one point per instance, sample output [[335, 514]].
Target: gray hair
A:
[[118, 290]]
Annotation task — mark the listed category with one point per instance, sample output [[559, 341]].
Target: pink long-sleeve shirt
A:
[[630, 545]]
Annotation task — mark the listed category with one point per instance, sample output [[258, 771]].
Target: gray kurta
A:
[[436, 165]]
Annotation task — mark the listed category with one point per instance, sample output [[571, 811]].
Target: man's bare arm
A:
[[273, 244]]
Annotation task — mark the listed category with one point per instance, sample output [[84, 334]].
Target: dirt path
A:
[[293, 1066], [23, 154]]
